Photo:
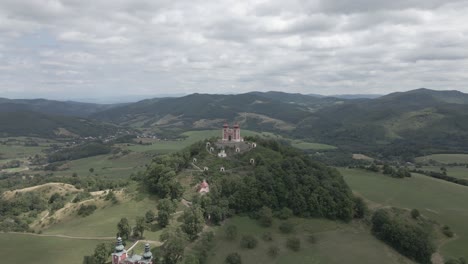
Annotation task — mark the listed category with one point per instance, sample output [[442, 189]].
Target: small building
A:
[[222, 154], [204, 187]]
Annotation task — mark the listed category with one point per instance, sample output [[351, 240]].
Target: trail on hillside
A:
[[61, 236]]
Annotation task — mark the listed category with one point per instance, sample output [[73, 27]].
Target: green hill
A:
[[49, 126], [68, 108], [407, 123], [253, 110]]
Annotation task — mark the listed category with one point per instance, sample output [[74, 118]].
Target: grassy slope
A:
[[103, 222], [440, 200], [19, 248], [460, 172], [445, 158], [353, 243]]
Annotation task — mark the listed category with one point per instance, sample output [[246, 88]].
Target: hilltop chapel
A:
[[231, 134], [120, 255]]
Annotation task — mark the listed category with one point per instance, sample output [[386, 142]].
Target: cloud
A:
[[76, 48]]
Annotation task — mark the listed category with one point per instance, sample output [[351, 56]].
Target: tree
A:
[[173, 248], [193, 222], [265, 216], [233, 258], [165, 208], [91, 170], [140, 226], [123, 228], [231, 232], [149, 216], [102, 253], [360, 208]]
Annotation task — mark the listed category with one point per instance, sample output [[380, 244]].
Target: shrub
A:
[[230, 232], [284, 213], [273, 251], [267, 237], [286, 227], [233, 258], [447, 231], [248, 241], [312, 239], [415, 213], [86, 210], [293, 243], [360, 208]]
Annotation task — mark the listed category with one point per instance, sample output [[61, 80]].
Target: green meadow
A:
[[442, 201], [25, 248], [336, 242]]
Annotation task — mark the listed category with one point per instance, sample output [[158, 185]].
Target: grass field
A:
[[442, 201], [103, 222], [335, 243], [20, 248], [460, 172], [103, 165], [445, 158]]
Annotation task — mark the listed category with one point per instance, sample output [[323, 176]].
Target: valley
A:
[[67, 169]]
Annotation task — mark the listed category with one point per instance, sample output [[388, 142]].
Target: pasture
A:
[[336, 242], [442, 201], [27, 248]]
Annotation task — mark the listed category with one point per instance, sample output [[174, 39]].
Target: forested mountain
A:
[[49, 126], [208, 110], [409, 122], [68, 108]]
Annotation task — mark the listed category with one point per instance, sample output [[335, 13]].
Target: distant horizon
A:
[[135, 98]]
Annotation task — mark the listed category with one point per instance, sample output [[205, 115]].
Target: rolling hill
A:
[[68, 108], [268, 111], [49, 126], [409, 122]]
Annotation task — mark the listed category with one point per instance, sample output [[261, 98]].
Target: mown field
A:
[[442, 201], [24, 248], [336, 242]]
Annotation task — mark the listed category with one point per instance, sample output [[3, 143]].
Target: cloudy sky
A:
[[97, 49]]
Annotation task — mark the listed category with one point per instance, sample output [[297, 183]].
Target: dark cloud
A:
[[147, 47]]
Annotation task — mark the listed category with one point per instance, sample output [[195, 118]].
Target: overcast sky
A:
[[101, 48]]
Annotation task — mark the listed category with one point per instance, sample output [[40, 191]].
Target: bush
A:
[[248, 241], [284, 213], [233, 258], [447, 231], [293, 243], [273, 251], [267, 237], [415, 213], [360, 208], [312, 239], [86, 210], [286, 227], [230, 232]]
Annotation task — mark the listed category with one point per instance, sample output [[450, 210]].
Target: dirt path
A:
[[60, 236]]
